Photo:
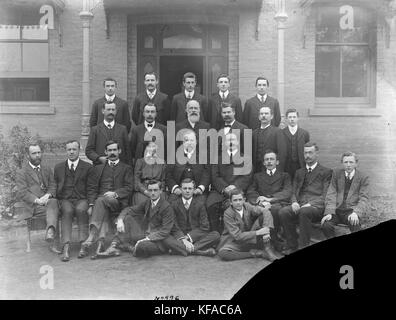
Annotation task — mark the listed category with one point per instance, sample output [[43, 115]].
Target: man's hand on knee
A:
[[353, 219], [120, 225], [327, 217], [295, 207]]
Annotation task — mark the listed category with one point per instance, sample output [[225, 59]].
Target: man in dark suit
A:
[[152, 129], [309, 191], [253, 105], [109, 187], [179, 101], [71, 178], [107, 130], [192, 226], [265, 137], [292, 144], [143, 229], [193, 121], [123, 115], [347, 199], [247, 230], [36, 190], [233, 170], [187, 166], [274, 187], [223, 95], [154, 96]]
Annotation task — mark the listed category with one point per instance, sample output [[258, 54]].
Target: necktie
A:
[[223, 96], [189, 96], [152, 205], [149, 125], [349, 176], [72, 167], [38, 172], [270, 173], [261, 98], [186, 205], [227, 126], [112, 164], [109, 126], [309, 170]]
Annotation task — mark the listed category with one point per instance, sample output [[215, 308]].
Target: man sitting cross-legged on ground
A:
[[142, 229], [347, 197], [192, 226], [247, 230]]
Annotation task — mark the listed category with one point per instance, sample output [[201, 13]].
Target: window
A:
[[344, 57], [23, 57]]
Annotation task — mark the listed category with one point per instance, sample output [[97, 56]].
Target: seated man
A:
[[142, 229], [192, 226], [274, 187], [109, 187], [347, 197], [36, 190], [309, 192], [246, 229]]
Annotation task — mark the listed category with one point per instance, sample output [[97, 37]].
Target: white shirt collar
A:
[[192, 124], [189, 154], [225, 93], [187, 200], [352, 174], [155, 202], [273, 171], [231, 122], [151, 93], [149, 128], [259, 97], [33, 166], [75, 163], [293, 130], [187, 93], [312, 167], [233, 152], [115, 162], [261, 126], [240, 212], [111, 98], [109, 123]]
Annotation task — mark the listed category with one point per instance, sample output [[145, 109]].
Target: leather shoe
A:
[[269, 254], [54, 249], [83, 252], [256, 253], [65, 253], [50, 235], [111, 251], [99, 249], [208, 252]]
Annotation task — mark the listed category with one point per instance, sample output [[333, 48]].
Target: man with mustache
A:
[[151, 96], [109, 187], [105, 131], [308, 199], [123, 115], [36, 189], [149, 129]]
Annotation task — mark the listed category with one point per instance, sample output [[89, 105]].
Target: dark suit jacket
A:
[[160, 220], [278, 187], [122, 116], [98, 138], [137, 139], [224, 175], [123, 182], [29, 189], [273, 141], [358, 195], [185, 124], [237, 126], [161, 101], [178, 107], [317, 186], [214, 109], [285, 146], [252, 108], [80, 178], [193, 222]]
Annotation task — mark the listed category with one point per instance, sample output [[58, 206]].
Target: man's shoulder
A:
[[119, 101], [203, 124], [325, 169], [120, 126], [160, 126], [252, 101], [99, 101], [240, 125], [61, 164], [124, 166], [161, 95], [178, 96]]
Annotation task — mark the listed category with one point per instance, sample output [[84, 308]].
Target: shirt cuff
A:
[[202, 187], [189, 238], [174, 188]]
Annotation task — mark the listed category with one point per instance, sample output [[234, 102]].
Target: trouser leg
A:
[[67, 209], [210, 240], [288, 221], [52, 213], [306, 216], [82, 219]]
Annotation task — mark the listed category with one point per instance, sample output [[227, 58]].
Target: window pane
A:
[[35, 56], [34, 32], [327, 27], [9, 32], [361, 25], [354, 71], [218, 37], [24, 89], [10, 57], [327, 71], [182, 37]]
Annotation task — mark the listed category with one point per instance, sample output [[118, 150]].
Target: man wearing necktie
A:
[[36, 190], [253, 105], [154, 96], [105, 131], [308, 200], [109, 187], [71, 178], [122, 116], [347, 199], [179, 101]]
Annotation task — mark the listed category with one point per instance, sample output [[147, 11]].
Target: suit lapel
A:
[[314, 173], [354, 184], [32, 173], [103, 130]]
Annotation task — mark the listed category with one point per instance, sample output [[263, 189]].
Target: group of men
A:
[[247, 203]]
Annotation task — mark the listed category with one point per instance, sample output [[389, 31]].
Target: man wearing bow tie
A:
[[261, 99], [308, 199], [347, 199], [149, 129], [105, 131], [151, 96], [187, 166], [122, 116], [36, 190], [179, 101], [109, 187], [223, 95]]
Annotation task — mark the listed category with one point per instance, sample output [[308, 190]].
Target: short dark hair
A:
[[109, 79], [150, 73], [154, 181], [107, 102], [227, 105], [270, 151], [349, 154], [311, 144], [291, 110], [112, 142], [72, 141], [189, 75], [262, 78], [33, 144], [150, 104], [235, 192], [187, 180], [223, 75], [271, 112]]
